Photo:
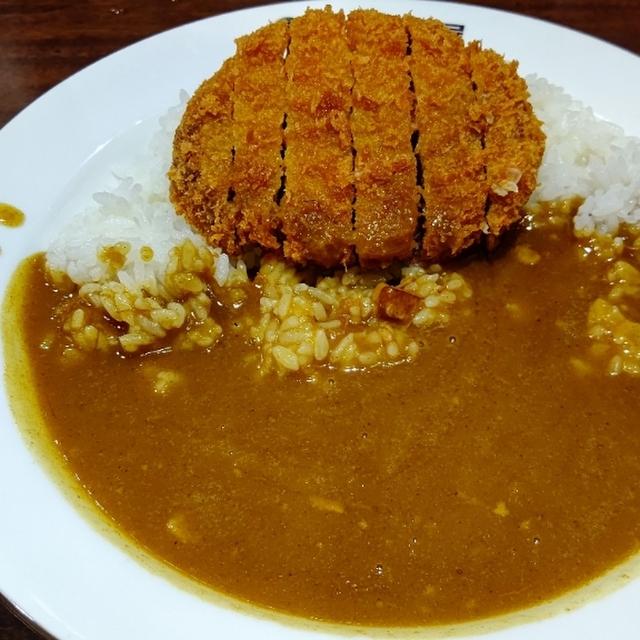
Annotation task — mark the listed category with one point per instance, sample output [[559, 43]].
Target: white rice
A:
[[137, 212], [588, 158]]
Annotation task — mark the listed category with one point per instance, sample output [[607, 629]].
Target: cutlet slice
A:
[[200, 174], [449, 148], [513, 138], [317, 205], [386, 204], [258, 114]]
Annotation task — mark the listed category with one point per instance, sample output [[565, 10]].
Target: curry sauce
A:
[[497, 471]]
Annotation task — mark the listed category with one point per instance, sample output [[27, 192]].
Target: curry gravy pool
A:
[[495, 472]]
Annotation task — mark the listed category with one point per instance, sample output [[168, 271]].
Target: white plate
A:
[[62, 573]]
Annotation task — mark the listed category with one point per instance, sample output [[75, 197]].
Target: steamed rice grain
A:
[[587, 158]]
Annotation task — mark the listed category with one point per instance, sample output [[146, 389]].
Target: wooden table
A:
[[42, 42]]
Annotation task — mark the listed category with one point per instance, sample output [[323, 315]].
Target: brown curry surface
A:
[[485, 477]]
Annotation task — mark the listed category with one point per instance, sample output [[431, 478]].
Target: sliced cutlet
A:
[[302, 143], [200, 173], [386, 205], [317, 204], [449, 148], [513, 138], [258, 113]]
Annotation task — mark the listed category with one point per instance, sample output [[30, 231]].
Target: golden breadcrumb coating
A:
[[450, 149], [200, 175], [385, 166], [363, 139], [317, 208], [512, 135], [258, 114]]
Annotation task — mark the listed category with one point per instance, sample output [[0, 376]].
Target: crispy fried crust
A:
[[317, 208], [367, 139], [512, 135], [385, 166], [258, 114], [449, 148], [200, 175]]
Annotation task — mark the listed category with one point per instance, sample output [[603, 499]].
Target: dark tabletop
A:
[[42, 42]]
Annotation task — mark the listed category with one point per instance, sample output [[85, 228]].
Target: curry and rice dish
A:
[[434, 428]]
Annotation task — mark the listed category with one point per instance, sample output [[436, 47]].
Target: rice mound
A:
[[130, 256], [136, 212], [587, 158]]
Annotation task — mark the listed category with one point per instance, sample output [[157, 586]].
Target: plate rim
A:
[[32, 610]]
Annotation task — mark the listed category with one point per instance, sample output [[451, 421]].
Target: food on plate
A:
[[364, 139], [405, 444]]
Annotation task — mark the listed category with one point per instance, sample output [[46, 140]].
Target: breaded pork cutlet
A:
[[449, 148], [200, 175], [385, 168], [228, 163], [317, 208], [369, 139], [512, 138], [258, 112]]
